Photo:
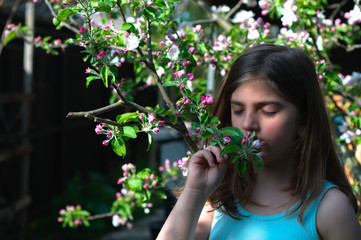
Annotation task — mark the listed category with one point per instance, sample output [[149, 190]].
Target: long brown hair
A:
[[293, 73]]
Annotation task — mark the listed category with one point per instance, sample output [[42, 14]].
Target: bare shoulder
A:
[[336, 218], [205, 223]]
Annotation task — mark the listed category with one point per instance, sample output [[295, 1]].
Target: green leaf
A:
[[149, 14], [126, 26], [169, 83], [174, 119], [231, 131], [105, 73], [241, 167], [229, 149], [64, 13], [331, 75], [11, 36], [56, 22], [258, 162], [160, 3], [127, 117], [128, 131], [135, 184], [118, 146], [204, 118], [89, 79]]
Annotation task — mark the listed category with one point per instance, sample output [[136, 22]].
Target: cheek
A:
[[279, 131]]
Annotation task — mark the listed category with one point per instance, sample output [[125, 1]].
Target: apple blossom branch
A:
[[54, 15], [8, 21], [179, 126]]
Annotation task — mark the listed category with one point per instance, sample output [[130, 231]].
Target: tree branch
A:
[[8, 21], [97, 111], [62, 23], [233, 10], [221, 22]]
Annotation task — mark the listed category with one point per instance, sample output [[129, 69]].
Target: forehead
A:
[[256, 90]]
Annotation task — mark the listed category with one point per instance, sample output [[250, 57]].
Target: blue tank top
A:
[[282, 226]]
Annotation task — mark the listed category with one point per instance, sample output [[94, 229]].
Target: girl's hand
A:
[[206, 170]]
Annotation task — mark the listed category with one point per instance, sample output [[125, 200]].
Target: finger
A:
[[204, 155], [216, 151]]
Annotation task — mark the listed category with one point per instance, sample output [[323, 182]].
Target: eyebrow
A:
[[259, 104]]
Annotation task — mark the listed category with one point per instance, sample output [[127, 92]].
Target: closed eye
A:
[[237, 112], [269, 114]]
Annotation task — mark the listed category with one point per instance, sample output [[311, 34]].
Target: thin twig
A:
[[97, 111], [121, 11], [337, 7], [62, 23], [233, 10], [99, 216], [353, 47], [8, 21], [221, 21]]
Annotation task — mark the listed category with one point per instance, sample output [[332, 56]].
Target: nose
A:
[[250, 122]]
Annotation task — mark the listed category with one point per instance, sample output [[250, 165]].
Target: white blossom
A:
[[288, 15], [220, 9], [132, 42], [355, 15], [253, 34], [243, 16], [319, 43], [160, 71], [116, 220], [173, 53]]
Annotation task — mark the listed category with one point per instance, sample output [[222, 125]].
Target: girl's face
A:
[[255, 106]]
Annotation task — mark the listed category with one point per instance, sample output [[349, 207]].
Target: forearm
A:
[[182, 221]]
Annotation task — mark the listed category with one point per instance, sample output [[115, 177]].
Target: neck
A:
[[277, 175]]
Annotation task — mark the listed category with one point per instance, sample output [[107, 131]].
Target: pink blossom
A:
[[261, 154], [98, 128], [105, 142], [60, 219], [118, 196], [227, 139], [181, 73], [182, 87], [109, 134], [151, 117], [145, 186], [106, 28], [191, 50], [124, 191], [190, 77], [70, 208], [77, 222], [256, 143], [140, 116], [154, 182], [62, 211], [136, 8], [161, 122], [196, 130], [156, 130], [170, 64], [152, 176]]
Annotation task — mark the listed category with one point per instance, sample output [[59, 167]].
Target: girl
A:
[[302, 191]]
